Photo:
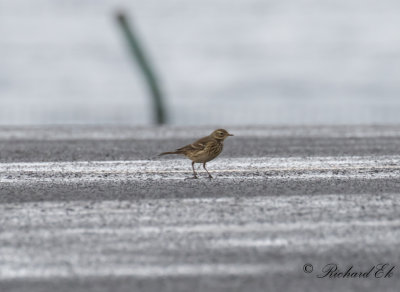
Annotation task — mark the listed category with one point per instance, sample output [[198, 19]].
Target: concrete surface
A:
[[92, 209]]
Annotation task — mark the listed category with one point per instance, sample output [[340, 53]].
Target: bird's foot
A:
[[210, 176], [192, 177]]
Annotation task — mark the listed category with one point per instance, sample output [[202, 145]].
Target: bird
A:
[[204, 149]]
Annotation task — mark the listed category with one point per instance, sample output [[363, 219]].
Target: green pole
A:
[[142, 61]]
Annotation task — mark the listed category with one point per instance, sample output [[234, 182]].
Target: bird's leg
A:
[[204, 166], [194, 172]]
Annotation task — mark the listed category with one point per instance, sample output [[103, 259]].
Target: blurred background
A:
[[226, 62]]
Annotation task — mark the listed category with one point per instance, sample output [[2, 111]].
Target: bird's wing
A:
[[198, 145]]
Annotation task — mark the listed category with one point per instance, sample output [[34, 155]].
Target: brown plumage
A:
[[204, 149]]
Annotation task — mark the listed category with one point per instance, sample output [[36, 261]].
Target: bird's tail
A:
[[165, 153]]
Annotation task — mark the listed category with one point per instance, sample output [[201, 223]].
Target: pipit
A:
[[204, 149]]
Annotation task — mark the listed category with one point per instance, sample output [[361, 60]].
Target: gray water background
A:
[[219, 61]]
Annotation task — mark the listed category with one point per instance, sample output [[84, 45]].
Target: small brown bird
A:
[[204, 149]]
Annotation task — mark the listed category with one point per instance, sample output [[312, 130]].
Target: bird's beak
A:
[[231, 135]]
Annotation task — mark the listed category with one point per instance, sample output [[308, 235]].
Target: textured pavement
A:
[[93, 209]]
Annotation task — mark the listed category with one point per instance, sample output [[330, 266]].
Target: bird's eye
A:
[[221, 134]]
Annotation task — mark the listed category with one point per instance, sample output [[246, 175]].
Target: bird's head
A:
[[220, 134]]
